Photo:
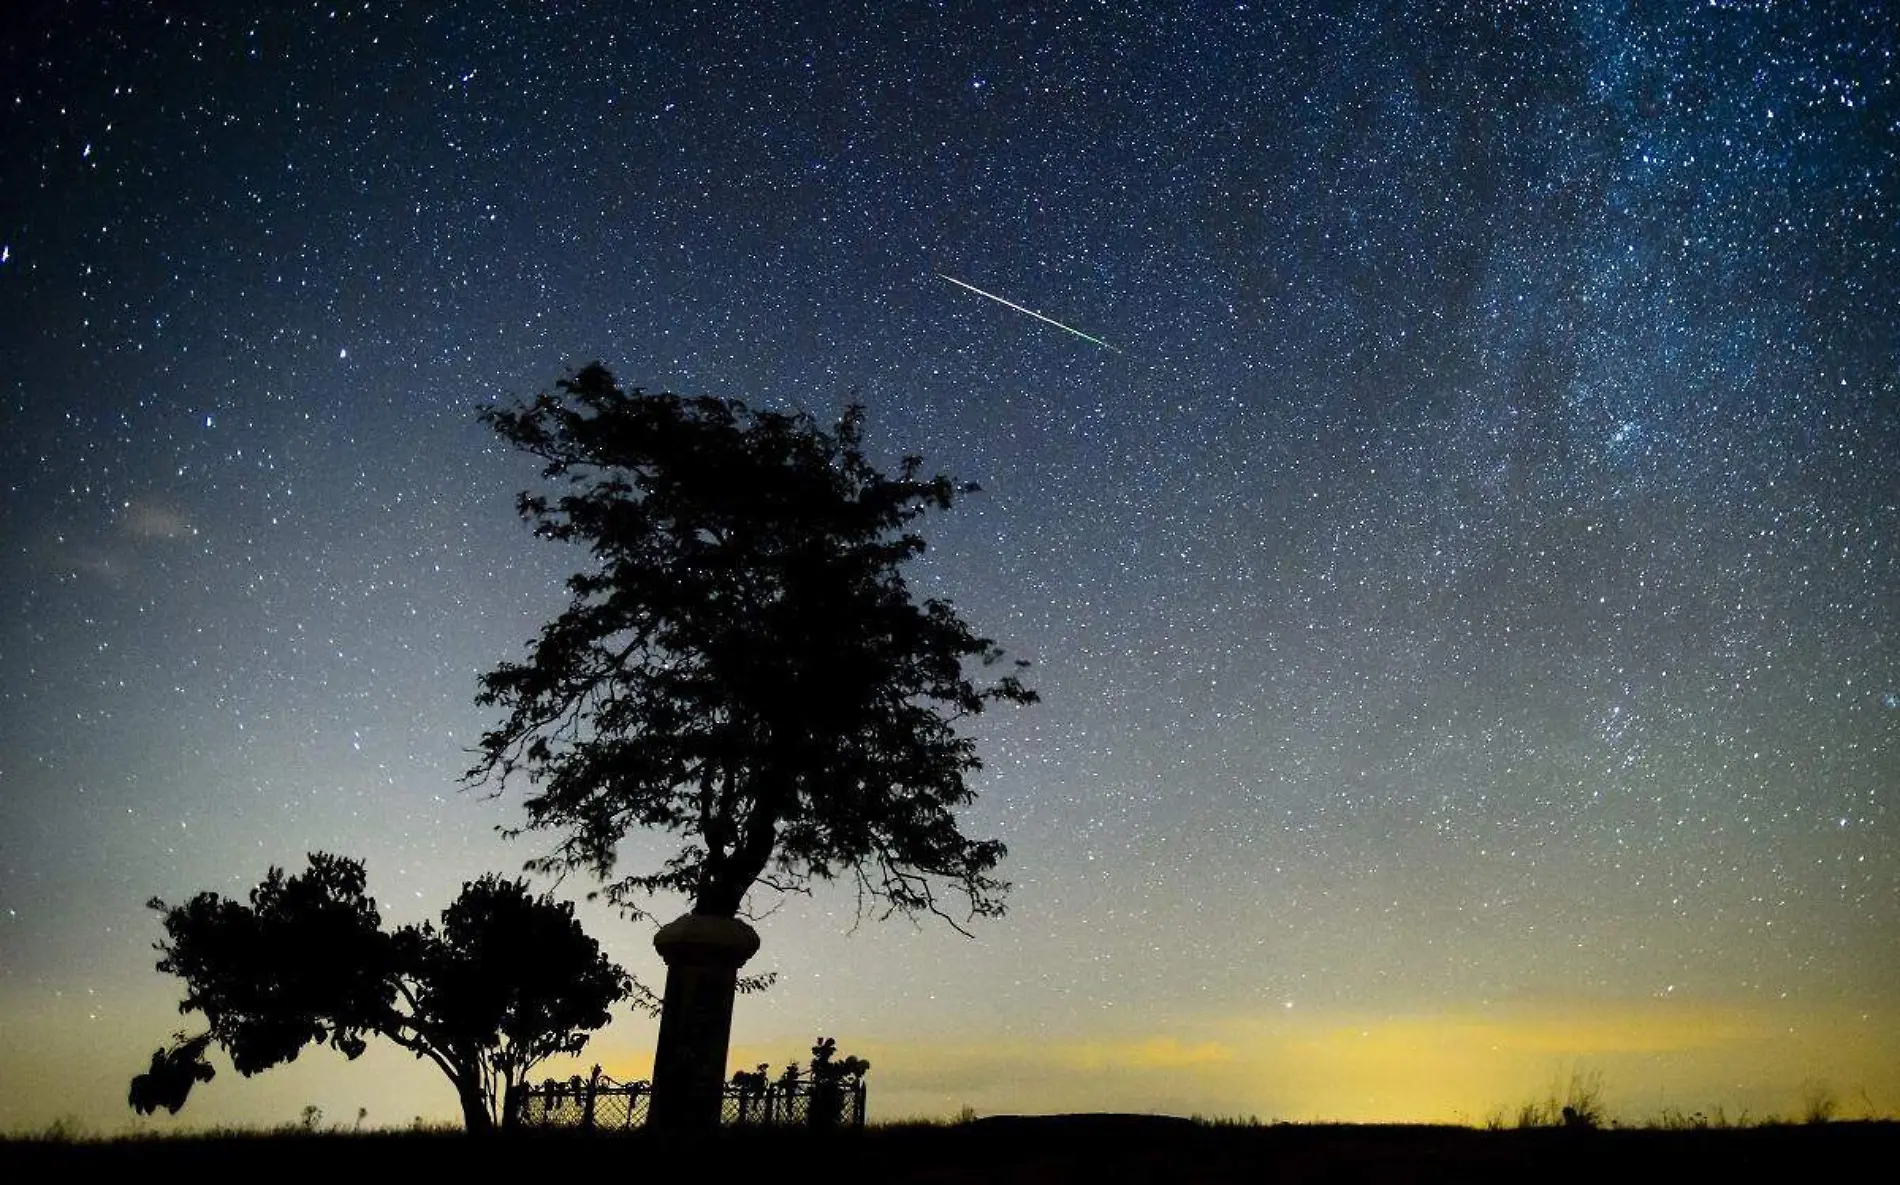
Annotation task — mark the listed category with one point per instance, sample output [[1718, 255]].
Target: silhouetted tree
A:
[[509, 977], [506, 981], [742, 665]]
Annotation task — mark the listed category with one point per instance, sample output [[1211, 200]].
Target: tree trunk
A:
[[474, 1101], [514, 1098], [703, 954]]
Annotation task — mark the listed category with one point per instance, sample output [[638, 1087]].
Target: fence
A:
[[598, 1103], [594, 1103]]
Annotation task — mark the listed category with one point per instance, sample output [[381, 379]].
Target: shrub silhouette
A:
[[830, 1080]]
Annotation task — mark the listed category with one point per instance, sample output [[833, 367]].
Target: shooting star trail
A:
[[1038, 316]]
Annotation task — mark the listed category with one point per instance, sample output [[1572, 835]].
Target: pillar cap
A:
[[706, 940]]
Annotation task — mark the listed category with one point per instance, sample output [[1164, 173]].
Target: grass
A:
[[962, 1148], [1819, 1104], [70, 1130], [1574, 1101], [996, 1148], [1576, 1104]]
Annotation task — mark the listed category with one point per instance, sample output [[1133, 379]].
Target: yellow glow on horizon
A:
[[1456, 1066], [1157, 1053], [1460, 1065]]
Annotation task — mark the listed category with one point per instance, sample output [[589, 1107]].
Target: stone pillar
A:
[[703, 955]]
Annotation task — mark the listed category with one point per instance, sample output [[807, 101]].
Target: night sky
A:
[[1465, 599]]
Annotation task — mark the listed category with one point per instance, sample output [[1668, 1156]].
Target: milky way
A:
[[1467, 611]]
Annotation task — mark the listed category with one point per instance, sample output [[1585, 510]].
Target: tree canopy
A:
[[743, 665], [507, 980]]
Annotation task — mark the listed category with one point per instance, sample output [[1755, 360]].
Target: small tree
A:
[[511, 976], [743, 666], [505, 982]]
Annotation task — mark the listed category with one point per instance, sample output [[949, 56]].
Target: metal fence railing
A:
[[594, 1103], [599, 1103]]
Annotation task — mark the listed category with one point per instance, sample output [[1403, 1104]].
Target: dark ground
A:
[[1074, 1148]]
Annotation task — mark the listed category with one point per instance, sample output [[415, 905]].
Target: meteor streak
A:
[[1038, 316]]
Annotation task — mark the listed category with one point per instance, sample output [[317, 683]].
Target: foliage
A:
[[652, 1003], [832, 1080], [743, 666], [511, 975], [306, 962], [504, 982], [172, 1074]]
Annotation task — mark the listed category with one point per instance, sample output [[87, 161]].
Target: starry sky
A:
[[1465, 598]]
